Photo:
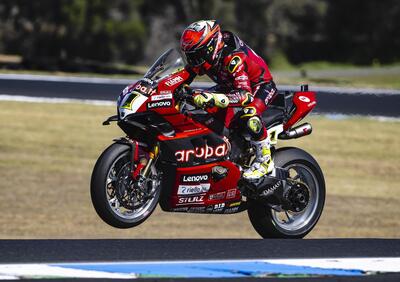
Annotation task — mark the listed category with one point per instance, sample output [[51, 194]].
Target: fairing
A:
[[303, 103]]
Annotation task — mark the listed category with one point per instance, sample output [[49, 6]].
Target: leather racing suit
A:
[[245, 79]]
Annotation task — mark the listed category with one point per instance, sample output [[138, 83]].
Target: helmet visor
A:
[[196, 58], [204, 54]]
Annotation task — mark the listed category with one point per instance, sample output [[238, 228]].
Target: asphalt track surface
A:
[[67, 251], [23, 251], [329, 99]]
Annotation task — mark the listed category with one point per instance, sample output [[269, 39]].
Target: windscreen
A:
[[168, 63]]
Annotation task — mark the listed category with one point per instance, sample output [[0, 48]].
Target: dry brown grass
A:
[[47, 152]]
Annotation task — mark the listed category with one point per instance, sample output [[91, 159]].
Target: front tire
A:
[[113, 193], [270, 223]]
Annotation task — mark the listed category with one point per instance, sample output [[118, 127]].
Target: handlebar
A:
[[187, 94]]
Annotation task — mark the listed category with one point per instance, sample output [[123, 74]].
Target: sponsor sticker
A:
[[174, 81], [218, 208], [269, 96], [204, 152], [217, 196], [148, 80], [181, 209], [191, 200], [231, 194], [231, 210], [197, 209], [193, 189], [144, 89], [234, 204], [161, 97], [159, 104], [195, 178]]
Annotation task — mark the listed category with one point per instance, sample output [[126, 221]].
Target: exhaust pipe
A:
[[296, 132]]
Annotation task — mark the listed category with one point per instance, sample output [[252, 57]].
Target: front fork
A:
[[153, 155], [140, 168], [143, 170]]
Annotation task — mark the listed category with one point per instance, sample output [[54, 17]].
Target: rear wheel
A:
[[118, 199], [310, 191]]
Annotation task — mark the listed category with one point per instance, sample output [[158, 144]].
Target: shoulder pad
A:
[[234, 63]]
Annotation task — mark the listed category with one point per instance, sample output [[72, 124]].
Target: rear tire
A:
[[112, 172], [267, 221]]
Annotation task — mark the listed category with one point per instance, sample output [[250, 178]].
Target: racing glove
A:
[[204, 99]]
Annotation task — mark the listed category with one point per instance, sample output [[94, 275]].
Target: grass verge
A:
[[47, 152]]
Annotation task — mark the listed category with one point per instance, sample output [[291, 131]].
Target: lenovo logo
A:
[[204, 152], [195, 178], [160, 104]]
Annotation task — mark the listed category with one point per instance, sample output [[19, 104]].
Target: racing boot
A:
[[263, 163]]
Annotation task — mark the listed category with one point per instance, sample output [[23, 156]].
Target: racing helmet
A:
[[201, 44]]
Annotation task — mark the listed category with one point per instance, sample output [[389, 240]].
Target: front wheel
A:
[[280, 223], [118, 198]]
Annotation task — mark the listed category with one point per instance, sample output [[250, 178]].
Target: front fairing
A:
[[135, 96], [129, 103]]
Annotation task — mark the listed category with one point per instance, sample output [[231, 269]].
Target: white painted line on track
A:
[[15, 98], [365, 264], [42, 270], [204, 268], [338, 117], [73, 79], [8, 277]]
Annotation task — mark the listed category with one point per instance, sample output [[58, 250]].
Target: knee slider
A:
[[254, 124]]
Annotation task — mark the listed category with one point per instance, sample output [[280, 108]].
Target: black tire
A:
[[264, 219], [113, 155]]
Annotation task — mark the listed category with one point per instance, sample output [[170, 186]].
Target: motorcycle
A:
[[187, 160]]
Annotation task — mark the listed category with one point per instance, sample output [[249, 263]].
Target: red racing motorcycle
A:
[[186, 160]]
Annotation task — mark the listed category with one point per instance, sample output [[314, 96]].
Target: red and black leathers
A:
[[244, 77]]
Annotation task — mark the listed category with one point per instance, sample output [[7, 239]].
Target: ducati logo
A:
[[202, 152]]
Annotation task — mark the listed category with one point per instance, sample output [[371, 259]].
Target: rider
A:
[[241, 75]]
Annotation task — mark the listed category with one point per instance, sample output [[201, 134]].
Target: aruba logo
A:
[[202, 152]]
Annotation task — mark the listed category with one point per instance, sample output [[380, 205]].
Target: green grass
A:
[[47, 152]]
